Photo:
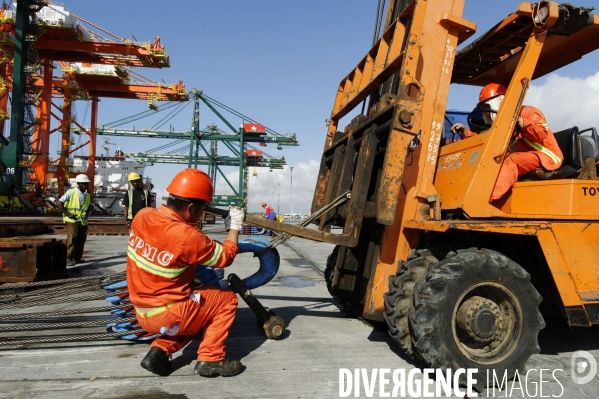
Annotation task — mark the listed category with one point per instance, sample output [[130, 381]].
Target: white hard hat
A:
[[82, 179]]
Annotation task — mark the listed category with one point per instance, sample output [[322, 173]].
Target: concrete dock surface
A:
[[319, 341]]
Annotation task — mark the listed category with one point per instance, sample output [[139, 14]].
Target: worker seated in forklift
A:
[[534, 144]]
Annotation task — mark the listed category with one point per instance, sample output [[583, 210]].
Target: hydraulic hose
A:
[[269, 261]]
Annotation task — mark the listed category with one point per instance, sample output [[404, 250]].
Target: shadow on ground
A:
[[244, 338], [558, 336]]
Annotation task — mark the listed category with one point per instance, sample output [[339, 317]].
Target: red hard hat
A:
[[191, 183], [491, 90], [263, 204]]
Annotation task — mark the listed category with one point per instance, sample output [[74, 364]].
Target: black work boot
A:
[[157, 362], [224, 368]]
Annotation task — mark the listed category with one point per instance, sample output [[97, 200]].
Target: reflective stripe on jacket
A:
[[74, 207], [162, 253], [536, 137], [544, 150]]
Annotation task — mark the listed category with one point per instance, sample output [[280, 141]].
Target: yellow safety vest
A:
[[130, 210], [74, 207]]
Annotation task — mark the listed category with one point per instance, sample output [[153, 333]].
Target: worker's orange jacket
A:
[[162, 253], [536, 137]]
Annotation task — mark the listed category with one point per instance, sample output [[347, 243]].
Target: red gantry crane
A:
[[93, 63]]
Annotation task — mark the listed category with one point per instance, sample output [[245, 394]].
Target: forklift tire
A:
[[400, 297], [477, 309], [349, 305], [330, 267]]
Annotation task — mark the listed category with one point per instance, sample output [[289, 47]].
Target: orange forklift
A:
[[461, 282]]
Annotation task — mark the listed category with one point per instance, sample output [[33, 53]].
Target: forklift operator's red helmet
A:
[[191, 183], [490, 91]]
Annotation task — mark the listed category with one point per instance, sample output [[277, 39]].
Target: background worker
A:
[[270, 214], [535, 145], [136, 198], [164, 248], [76, 206]]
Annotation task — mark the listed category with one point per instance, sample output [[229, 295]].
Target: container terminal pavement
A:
[[320, 339]]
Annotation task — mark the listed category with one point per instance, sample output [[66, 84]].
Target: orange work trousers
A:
[[514, 165], [215, 313]]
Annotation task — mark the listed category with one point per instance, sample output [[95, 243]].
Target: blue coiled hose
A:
[[269, 261], [269, 265]]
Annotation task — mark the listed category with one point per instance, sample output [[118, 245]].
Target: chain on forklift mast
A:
[[461, 282]]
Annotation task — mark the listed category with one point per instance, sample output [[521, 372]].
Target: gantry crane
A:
[[243, 154], [31, 41], [121, 83]]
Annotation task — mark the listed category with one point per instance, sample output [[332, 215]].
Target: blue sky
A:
[[278, 62]]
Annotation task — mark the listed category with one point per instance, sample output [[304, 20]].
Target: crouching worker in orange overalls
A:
[[535, 145], [164, 247]]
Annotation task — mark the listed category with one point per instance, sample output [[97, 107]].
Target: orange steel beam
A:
[[61, 172], [40, 164], [71, 48], [139, 89], [163, 92], [110, 53], [68, 45], [91, 163], [79, 126], [36, 139], [72, 150], [128, 95], [4, 75], [75, 46], [122, 90], [104, 59]]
